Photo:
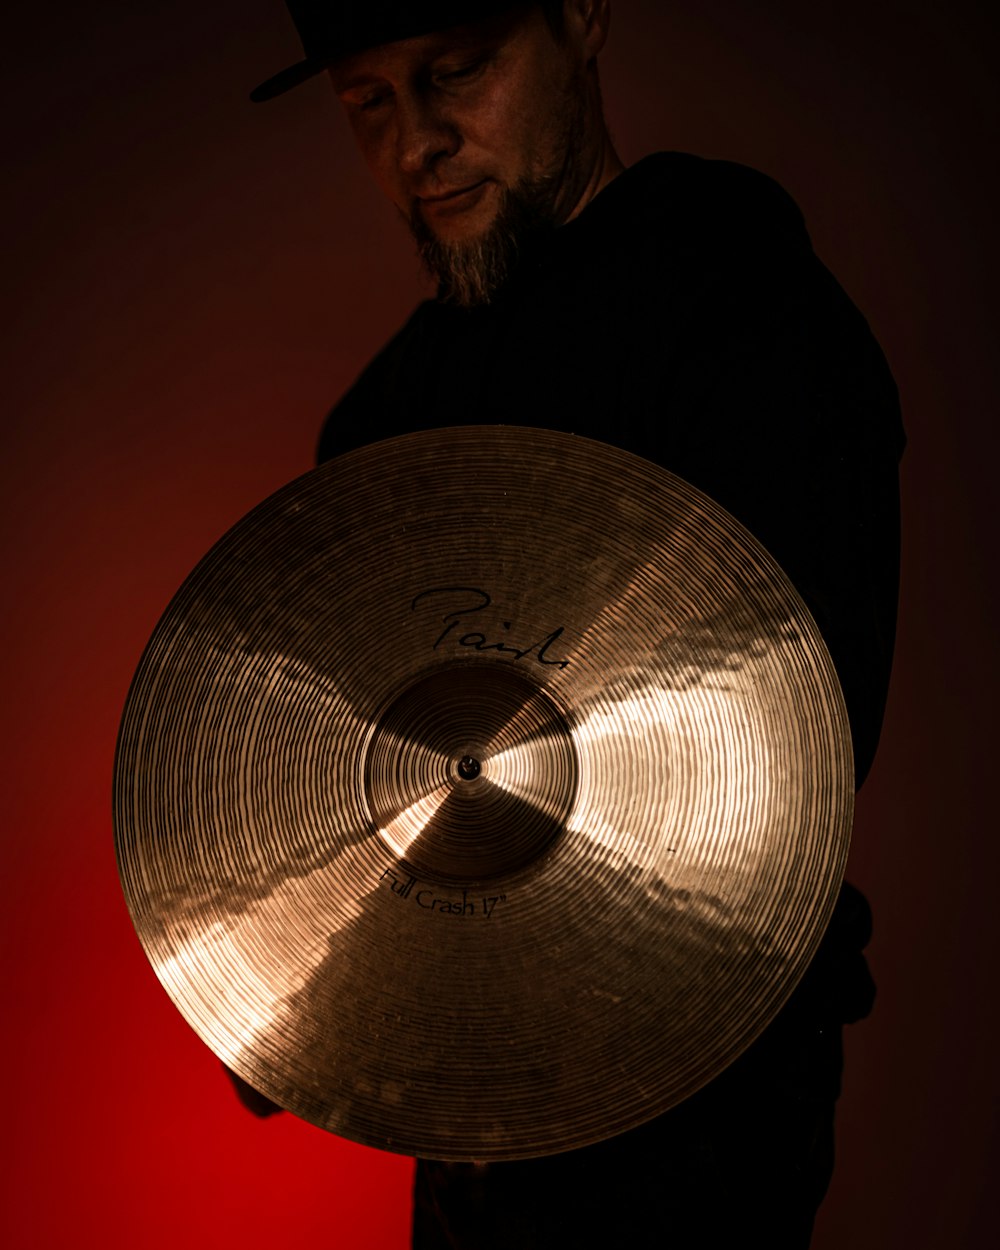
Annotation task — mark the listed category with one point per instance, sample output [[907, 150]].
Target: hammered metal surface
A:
[[483, 793]]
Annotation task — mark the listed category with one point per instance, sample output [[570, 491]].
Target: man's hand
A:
[[250, 1098]]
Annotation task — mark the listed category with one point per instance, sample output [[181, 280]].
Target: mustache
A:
[[455, 184]]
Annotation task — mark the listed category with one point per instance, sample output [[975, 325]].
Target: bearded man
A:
[[676, 309]]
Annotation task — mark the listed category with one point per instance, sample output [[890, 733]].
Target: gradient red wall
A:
[[191, 282]]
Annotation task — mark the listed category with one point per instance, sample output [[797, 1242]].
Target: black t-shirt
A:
[[684, 316]]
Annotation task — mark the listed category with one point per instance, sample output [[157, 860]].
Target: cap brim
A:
[[287, 79], [373, 30]]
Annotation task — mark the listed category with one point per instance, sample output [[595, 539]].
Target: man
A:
[[676, 309]]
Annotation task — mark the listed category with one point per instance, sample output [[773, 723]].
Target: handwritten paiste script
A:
[[472, 600]]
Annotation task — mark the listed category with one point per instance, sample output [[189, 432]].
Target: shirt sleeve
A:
[[791, 422]]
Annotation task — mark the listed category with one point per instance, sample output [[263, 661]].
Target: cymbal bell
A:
[[483, 793]]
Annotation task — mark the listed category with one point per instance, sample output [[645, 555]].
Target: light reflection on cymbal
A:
[[256, 995], [403, 830]]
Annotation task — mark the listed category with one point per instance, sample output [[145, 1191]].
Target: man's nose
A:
[[422, 134]]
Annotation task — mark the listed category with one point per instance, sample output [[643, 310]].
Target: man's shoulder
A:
[[690, 200], [707, 177]]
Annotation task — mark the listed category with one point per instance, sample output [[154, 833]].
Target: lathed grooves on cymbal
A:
[[483, 793], [469, 774]]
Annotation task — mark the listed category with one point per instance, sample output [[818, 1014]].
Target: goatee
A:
[[469, 274]]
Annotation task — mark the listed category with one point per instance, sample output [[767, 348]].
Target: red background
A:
[[191, 282]]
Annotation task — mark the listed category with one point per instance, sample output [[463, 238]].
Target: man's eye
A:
[[372, 101], [460, 72]]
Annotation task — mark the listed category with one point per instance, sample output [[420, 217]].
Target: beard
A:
[[471, 273]]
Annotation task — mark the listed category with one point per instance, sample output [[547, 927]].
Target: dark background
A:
[[191, 281]]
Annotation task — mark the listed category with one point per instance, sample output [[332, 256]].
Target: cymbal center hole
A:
[[469, 768]]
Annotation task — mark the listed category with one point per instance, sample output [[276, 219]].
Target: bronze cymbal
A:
[[483, 793]]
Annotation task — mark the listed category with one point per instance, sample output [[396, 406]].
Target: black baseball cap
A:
[[331, 29]]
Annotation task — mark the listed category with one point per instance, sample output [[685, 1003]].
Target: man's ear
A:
[[587, 23]]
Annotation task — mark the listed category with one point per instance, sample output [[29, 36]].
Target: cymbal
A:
[[483, 793]]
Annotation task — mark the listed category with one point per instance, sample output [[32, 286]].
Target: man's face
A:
[[476, 134]]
